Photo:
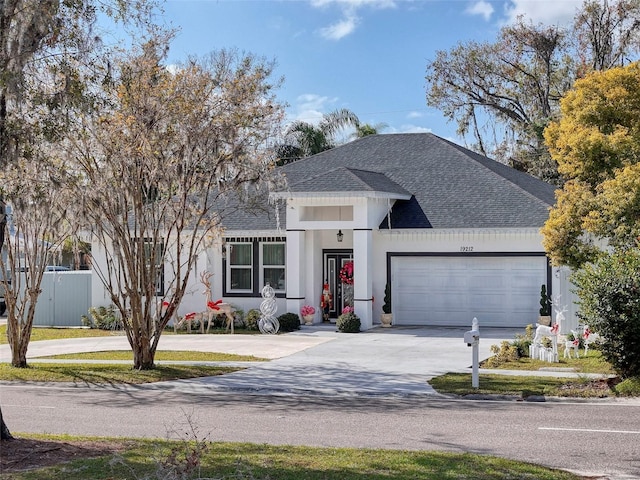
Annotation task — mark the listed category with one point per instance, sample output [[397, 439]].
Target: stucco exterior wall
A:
[[308, 270]]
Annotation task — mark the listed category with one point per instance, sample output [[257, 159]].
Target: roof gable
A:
[[346, 179]]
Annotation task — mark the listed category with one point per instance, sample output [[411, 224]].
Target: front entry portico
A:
[[315, 253]]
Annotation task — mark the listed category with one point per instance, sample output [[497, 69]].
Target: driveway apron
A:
[[396, 361]]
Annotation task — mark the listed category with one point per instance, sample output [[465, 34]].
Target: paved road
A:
[[328, 389], [589, 438]]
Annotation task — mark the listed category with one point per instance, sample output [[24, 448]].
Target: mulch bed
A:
[[603, 385], [22, 454]]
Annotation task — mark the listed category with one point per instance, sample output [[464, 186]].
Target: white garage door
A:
[[451, 291]]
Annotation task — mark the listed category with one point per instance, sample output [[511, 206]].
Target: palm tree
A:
[[304, 139], [365, 129]]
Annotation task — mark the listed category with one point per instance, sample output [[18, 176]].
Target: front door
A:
[[334, 260]]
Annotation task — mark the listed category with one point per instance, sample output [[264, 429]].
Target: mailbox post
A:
[[472, 339]]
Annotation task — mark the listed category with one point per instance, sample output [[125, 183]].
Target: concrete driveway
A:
[[314, 360], [397, 361]]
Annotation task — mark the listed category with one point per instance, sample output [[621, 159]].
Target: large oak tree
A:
[[504, 93]]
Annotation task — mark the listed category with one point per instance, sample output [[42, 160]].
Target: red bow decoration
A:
[[165, 304], [576, 342], [214, 305], [190, 316], [555, 328], [586, 333]]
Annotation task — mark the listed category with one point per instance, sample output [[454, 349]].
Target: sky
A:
[[368, 56]]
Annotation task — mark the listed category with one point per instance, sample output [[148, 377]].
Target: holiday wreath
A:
[[346, 273]]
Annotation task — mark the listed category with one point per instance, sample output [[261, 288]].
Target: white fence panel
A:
[[65, 297]]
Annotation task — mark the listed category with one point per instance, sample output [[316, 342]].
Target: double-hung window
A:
[[272, 265], [254, 262], [240, 268]]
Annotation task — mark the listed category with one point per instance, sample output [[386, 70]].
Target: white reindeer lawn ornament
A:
[[212, 309], [589, 337], [545, 331], [188, 320], [537, 350], [572, 344], [215, 308]]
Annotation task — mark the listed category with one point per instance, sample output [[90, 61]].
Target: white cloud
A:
[[482, 8], [414, 115], [355, 3], [408, 128], [549, 12], [350, 19], [310, 107], [340, 29]]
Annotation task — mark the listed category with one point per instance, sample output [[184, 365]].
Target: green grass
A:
[[249, 461], [460, 384], [161, 355], [629, 387], [39, 333], [523, 386], [48, 333], [592, 363], [106, 373]]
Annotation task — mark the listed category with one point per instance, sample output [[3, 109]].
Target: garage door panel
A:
[[493, 301], [486, 283], [499, 291]]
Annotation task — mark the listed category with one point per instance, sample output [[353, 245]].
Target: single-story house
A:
[[454, 233]]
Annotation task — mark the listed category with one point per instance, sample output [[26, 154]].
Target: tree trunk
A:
[[143, 355], [5, 434], [18, 341], [4, 430], [18, 346]]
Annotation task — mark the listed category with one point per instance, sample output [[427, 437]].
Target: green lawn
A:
[[460, 384], [236, 461], [593, 362], [86, 373], [40, 333], [161, 355], [525, 386]]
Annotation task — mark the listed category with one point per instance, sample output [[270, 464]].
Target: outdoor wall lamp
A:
[[340, 236], [224, 250]]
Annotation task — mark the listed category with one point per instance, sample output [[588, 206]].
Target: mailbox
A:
[[471, 337]]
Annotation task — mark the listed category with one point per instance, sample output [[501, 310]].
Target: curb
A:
[[543, 399]]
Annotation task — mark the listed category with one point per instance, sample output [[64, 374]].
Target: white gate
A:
[[65, 297]]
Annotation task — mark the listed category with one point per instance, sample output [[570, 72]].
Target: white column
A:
[[295, 270], [363, 277]]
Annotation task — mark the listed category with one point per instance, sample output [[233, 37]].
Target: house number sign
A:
[[466, 248]]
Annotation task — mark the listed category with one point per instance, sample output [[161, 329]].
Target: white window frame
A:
[[230, 267], [262, 265]]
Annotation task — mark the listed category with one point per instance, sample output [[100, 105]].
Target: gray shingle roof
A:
[[256, 214], [453, 187], [450, 186], [345, 179]]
